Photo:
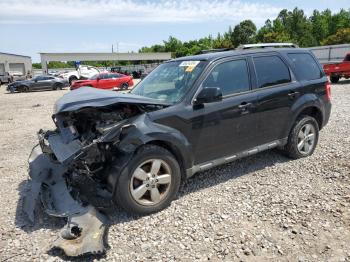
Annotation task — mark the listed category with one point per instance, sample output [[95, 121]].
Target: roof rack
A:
[[214, 50], [267, 45]]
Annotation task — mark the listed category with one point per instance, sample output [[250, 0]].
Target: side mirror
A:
[[98, 79], [208, 95], [35, 80]]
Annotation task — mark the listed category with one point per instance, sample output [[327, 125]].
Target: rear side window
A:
[[232, 77], [305, 65], [271, 70]]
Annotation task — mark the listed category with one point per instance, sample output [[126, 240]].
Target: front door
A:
[[39, 83], [225, 127]]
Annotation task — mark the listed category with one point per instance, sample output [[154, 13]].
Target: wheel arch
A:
[[142, 131], [175, 151], [309, 105], [314, 112]]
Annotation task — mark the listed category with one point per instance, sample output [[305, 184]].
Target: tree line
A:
[[321, 28]]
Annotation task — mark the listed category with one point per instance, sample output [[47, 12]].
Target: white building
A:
[[15, 64]]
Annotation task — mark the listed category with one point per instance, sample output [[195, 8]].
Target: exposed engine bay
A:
[[74, 168]]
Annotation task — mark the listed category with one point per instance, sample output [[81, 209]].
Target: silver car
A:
[[43, 82]]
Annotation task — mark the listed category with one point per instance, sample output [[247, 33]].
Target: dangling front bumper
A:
[[86, 226]]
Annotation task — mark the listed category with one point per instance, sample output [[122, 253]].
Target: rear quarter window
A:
[[271, 70], [305, 66]]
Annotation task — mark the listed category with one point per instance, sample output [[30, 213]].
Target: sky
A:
[[29, 27]]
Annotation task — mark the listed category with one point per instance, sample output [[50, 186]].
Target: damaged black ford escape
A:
[[188, 115]]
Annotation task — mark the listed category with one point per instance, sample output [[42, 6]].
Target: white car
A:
[[83, 72]]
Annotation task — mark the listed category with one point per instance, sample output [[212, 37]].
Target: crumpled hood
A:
[[93, 97]]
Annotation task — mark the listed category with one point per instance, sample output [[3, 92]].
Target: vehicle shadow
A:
[[35, 91], [343, 82], [117, 216], [232, 170]]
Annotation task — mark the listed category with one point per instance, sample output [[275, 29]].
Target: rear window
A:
[[271, 70], [305, 65]]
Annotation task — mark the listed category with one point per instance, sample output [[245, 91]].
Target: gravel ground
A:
[[265, 207]]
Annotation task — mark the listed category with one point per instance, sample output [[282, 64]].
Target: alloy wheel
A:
[[306, 139], [150, 182]]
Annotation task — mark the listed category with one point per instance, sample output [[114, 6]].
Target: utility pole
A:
[[113, 59]]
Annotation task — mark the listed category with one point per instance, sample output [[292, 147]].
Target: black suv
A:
[[188, 115]]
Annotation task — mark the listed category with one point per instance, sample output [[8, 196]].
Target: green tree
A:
[[243, 33], [342, 36], [36, 65], [320, 24], [289, 26]]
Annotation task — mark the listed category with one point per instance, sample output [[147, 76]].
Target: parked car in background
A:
[[335, 71], [105, 81], [17, 76], [83, 72], [134, 71], [38, 83], [5, 77]]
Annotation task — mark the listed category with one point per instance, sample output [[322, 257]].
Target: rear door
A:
[[277, 90], [115, 80]]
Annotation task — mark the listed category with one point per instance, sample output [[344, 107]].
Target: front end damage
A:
[[73, 169]]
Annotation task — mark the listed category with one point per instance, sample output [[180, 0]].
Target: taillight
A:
[[328, 91]]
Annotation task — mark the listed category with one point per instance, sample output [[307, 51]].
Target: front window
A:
[[232, 77], [170, 81]]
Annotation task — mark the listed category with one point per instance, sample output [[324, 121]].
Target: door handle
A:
[[293, 94], [244, 105]]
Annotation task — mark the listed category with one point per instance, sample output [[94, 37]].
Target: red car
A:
[[335, 71], [105, 81]]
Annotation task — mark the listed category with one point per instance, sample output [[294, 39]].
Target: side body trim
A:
[[227, 159]]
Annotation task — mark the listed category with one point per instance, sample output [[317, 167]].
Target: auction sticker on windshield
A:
[[190, 65]]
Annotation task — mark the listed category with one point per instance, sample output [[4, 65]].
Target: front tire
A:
[[72, 79], [24, 89], [149, 182], [125, 86], [57, 86], [303, 138]]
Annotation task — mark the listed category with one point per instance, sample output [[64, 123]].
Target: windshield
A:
[[170, 81], [94, 77]]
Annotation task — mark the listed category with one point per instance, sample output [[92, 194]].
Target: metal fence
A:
[[330, 53], [136, 67]]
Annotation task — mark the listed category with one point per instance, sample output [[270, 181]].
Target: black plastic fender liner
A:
[[84, 233], [41, 168], [85, 228]]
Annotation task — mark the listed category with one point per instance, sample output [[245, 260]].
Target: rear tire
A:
[[334, 79], [125, 86], [154, 171], [303, 138]]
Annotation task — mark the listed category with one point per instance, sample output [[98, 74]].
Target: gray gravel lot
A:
[[265, 207]]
